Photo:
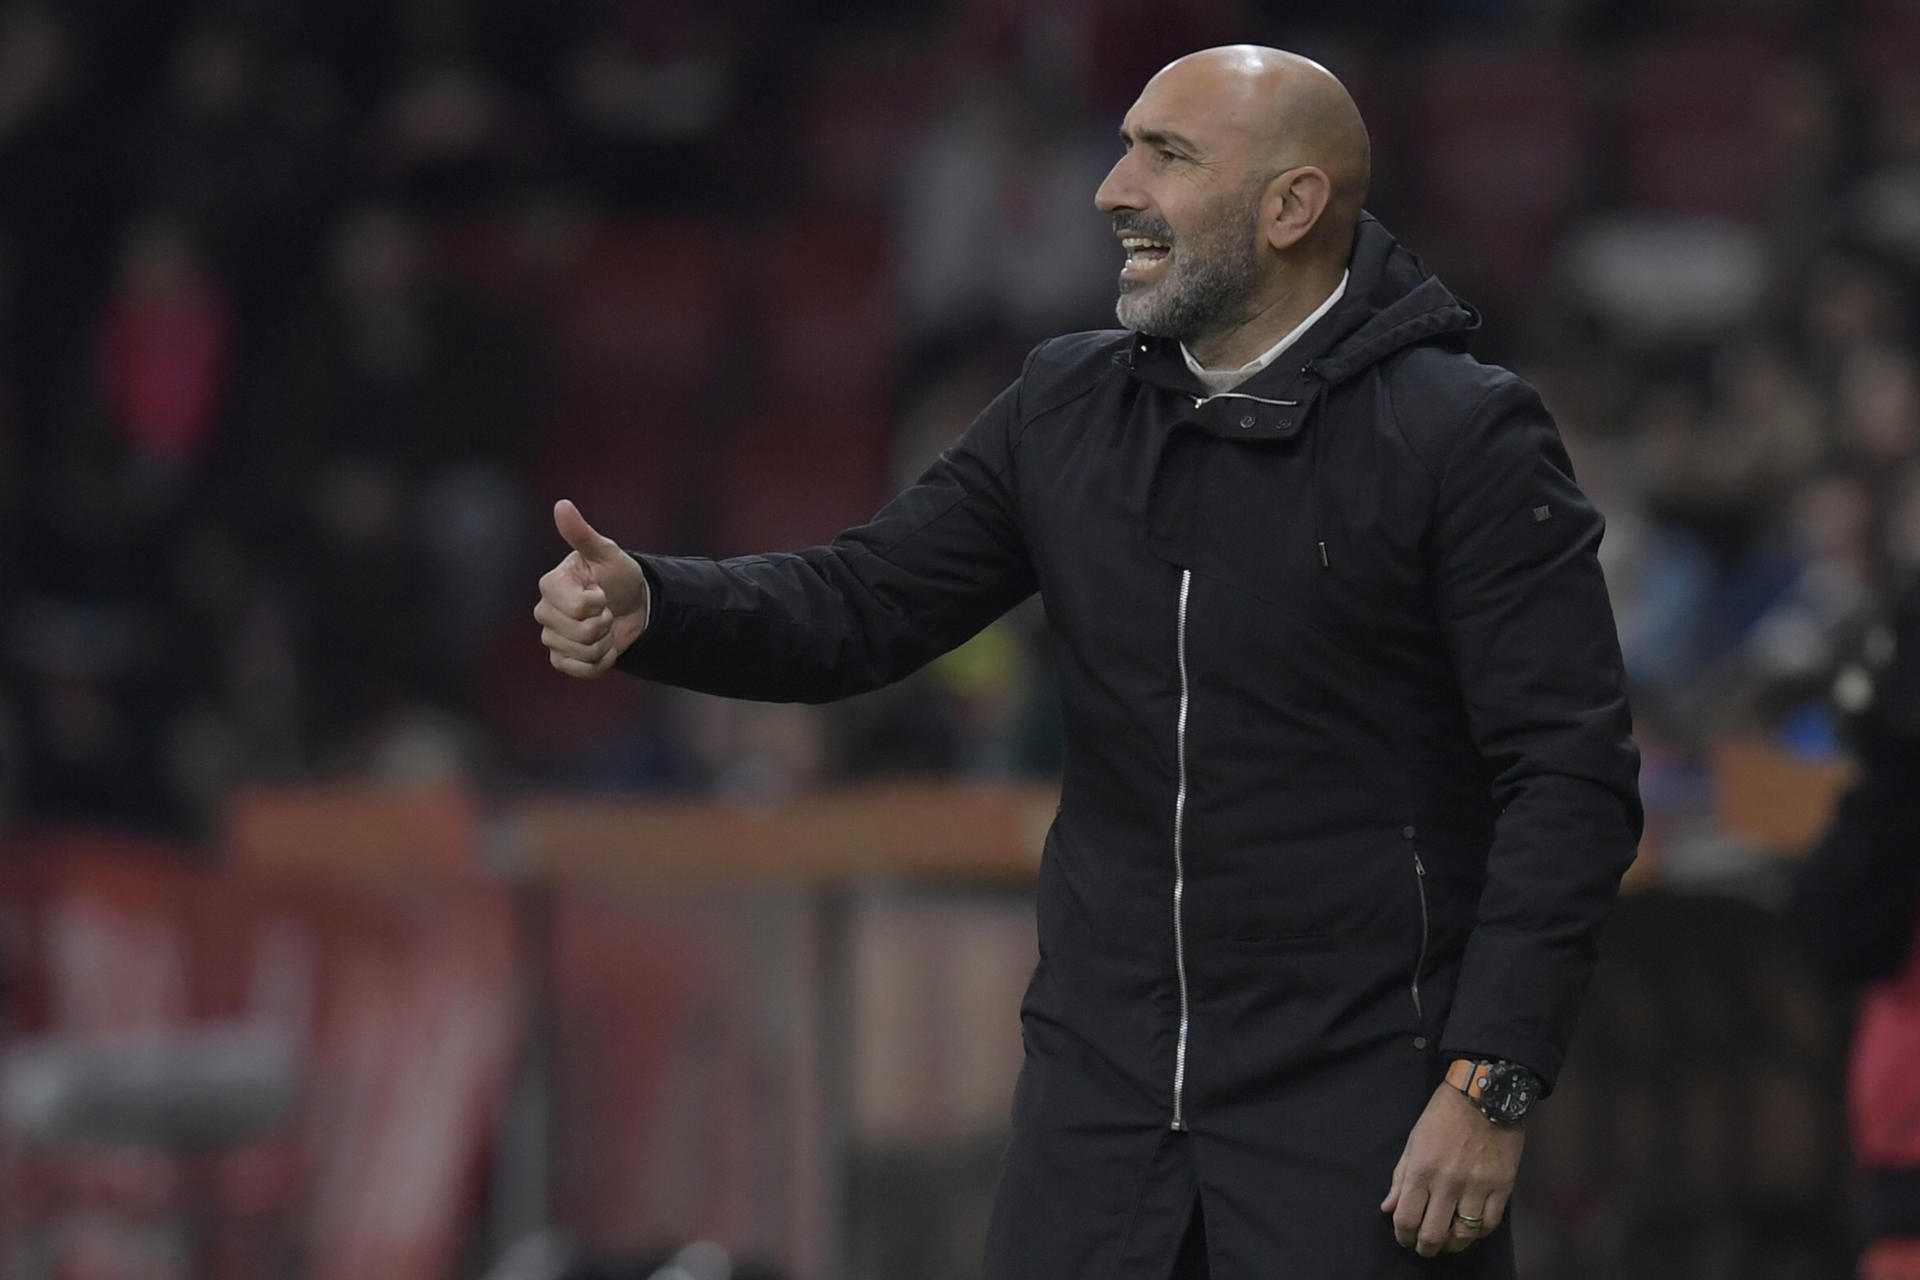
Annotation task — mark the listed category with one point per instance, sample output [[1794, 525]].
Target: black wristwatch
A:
[[1503, 1091]]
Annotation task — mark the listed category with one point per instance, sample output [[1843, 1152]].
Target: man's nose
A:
[[1118, 191]]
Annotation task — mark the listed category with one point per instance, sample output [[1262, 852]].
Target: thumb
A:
[[581, 536]]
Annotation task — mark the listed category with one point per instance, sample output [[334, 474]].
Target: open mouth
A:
[[1144, 253]]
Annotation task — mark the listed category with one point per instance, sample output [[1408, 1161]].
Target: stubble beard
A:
[[1209, 280]]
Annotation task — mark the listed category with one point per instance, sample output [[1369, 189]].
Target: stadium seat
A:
[[645, 308], [825, 301], [861, 105], [1502, 137], [631, 464], [1886, 64], [799, 476], [1694, 133]]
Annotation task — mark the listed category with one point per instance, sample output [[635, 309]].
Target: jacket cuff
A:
[[1500, 1007], [665, 617]]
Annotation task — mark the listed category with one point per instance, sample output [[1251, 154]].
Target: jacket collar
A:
[[1392, 302]]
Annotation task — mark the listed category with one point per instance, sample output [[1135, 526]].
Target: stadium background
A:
[[339, 936]]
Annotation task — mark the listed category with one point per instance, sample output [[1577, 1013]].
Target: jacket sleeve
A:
[[938, 563], [1524, 609]]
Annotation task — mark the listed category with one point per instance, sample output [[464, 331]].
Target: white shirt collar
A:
[[1218, 380]]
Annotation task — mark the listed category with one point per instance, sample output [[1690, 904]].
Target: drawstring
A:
[[1313, 482]]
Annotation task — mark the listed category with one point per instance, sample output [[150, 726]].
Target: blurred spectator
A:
[[648, 96], [12, 459], [452, 138], [750, 753], [240, 151], [1801, 638], [1847, 303], [1878, 407], [165, 350], [1858, 907], [385, 445], [57, 209], [995, 221]]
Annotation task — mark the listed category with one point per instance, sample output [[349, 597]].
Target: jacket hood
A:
[[1392, 302]]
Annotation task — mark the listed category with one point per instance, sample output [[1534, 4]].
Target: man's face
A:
[[1187, 215]]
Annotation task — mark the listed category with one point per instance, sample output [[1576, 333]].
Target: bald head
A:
[[1287, 112], [1243, 175]]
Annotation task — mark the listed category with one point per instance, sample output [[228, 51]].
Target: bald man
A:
[[1349, 779]]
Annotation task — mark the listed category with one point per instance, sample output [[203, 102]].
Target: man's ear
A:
[[1293, 204]]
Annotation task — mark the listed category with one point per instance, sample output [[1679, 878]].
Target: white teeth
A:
[[1144, 252]]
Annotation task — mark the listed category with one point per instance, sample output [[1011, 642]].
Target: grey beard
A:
[[1202, 294]]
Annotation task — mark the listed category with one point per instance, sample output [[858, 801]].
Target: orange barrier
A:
[[914, 830], [1777, 801], [350, 831]]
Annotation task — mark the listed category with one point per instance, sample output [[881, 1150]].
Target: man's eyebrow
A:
[[1158, 138]]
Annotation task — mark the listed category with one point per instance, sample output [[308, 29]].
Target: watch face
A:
[[1510, 1092]]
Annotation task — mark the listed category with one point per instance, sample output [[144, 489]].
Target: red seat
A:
[[1887, 62], [546, 724], [798, 476], [864, 102], [478, 253], [824, 285], [1888, 15], [1502, 138], [644, 308], [1717, 18], [1695, 134], [632, 465]]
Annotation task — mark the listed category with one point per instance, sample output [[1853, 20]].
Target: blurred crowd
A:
[[309, 311]]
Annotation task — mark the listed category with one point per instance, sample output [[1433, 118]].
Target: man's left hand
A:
[[1456, 1164]]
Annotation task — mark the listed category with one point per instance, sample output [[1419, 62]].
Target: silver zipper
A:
[[1199, 401], [1420, 962], [1179, 859]]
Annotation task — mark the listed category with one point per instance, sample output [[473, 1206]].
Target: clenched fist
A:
[[593, 604]]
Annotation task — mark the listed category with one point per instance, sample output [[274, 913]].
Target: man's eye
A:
[[1166, 155]]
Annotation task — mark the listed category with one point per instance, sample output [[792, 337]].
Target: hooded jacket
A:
[[1349, 782]]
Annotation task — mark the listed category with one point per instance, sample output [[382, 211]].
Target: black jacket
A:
[[1349, 785]]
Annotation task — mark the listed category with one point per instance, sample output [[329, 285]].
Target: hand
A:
[[1455, 1161], [593, 604]]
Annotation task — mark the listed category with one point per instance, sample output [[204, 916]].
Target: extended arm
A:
[[936, 565]]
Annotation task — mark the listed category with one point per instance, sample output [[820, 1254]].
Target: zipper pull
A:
[[1419, 867]]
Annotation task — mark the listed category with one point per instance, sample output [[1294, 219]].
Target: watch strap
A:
[[1468, 1076]]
